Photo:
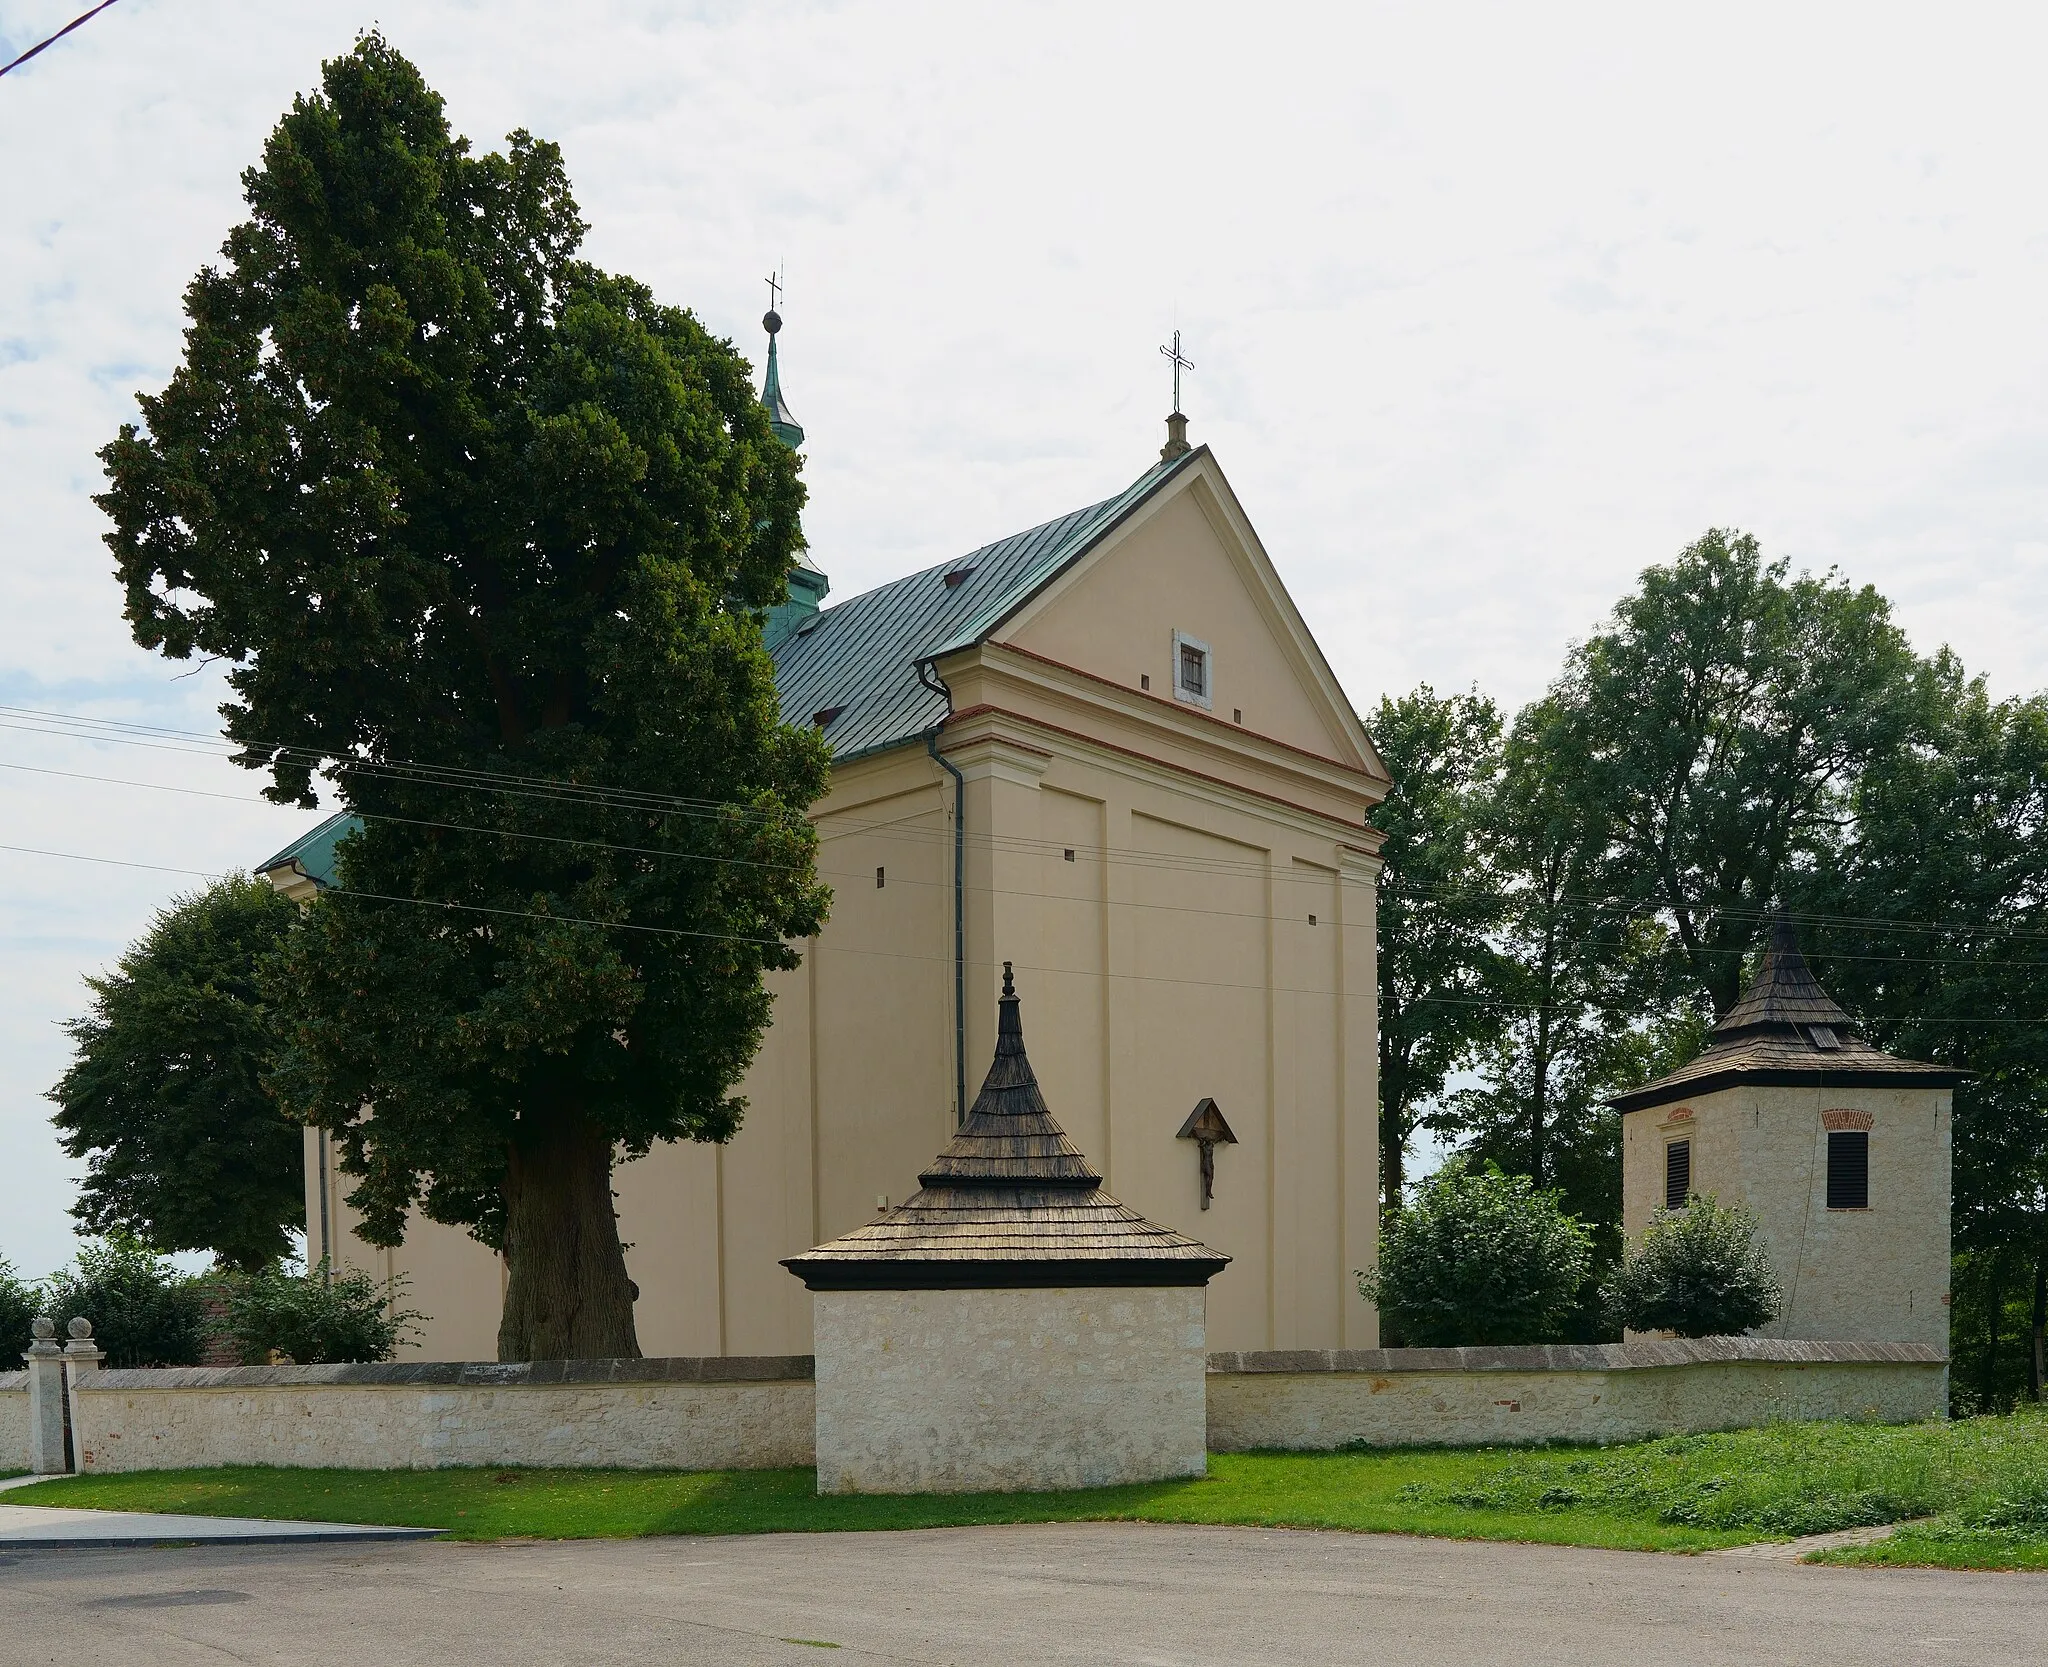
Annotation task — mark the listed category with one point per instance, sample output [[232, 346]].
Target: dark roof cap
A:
[[1786, 1031], [1010, 1202]]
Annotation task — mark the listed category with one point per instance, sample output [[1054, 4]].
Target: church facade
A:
[[1107, 750]]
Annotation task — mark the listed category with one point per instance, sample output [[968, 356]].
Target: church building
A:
[[1108, 750]]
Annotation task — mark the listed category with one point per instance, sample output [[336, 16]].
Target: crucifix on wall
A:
[[1206, 1128]]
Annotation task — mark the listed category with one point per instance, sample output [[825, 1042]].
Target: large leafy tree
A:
[[1933, 929], [185, 1147], [1437, 905], [1576, 974], [1724, 717], [486, 534]]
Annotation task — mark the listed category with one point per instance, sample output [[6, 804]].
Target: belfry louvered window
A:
[[1677, 1174], [1848, 1169]]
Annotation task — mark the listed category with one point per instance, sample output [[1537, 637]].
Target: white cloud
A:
[[1491, 306]]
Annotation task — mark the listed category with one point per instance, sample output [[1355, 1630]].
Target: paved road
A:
[[1092, 1593]]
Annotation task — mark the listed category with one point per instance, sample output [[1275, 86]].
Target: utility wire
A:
[[824, 948], [854, 876], [551, 790], [76, 22]]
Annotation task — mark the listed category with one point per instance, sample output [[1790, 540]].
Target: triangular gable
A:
[[1184, 556], [853, 667]]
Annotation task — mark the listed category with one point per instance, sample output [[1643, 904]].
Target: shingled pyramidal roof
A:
[[1010, 1202], [1786, 1030]]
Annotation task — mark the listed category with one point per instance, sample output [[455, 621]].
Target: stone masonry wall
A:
[[744, 1414], [711, 1414], [960, 1391], [1588, 1392], [13, 1422]]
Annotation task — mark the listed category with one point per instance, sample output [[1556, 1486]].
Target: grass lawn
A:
[[1983, 1481]]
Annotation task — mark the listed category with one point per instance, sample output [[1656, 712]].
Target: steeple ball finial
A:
[[787, 429]]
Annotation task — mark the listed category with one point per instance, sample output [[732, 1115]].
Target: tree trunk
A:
[[1393, 1165], [567, 1296], [2037, 1367], [1995, 1325]]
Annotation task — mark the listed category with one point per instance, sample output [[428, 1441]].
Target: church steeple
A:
[[787, 429], [807, 586]]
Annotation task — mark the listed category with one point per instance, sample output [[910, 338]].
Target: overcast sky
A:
[[1490, 307]]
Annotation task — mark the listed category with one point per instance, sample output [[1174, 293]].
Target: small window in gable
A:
[[1677, 1174], [1193, 674], [1848, 1169]]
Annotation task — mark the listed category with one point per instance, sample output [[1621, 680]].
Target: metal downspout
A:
[[928, 675]]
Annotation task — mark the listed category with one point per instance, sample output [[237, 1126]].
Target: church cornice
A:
[[1164, 771]]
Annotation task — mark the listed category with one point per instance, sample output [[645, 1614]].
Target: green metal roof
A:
[[787, 429], [313, 850], [858, 659]]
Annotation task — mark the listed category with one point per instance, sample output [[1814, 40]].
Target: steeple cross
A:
[[1179, 364], [774, 282]]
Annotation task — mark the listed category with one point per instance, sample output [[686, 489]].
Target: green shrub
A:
[[1699, 1272], [20, 1302], [314, 1319], [143, 1311], [1479, 1257]]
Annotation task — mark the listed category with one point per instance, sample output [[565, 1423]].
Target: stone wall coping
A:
[[1583, 1357], [464, 1374], [14, 1380]]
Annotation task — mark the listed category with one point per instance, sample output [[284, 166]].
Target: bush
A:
[[20, 1302], [143, 1311], [315, 1320], [1479, 1257], [1699, 1272]]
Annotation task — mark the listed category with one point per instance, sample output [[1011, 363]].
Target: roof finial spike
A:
[[1009, 983], [787, 429], [1176, 424]]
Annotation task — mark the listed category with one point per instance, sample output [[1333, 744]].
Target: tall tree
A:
[[1437, 904], [1725, 716], [1933, 929], [486, 535], [1580, 1010], [184, 1146]]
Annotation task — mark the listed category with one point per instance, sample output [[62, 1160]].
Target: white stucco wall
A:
[[1596, 1392], [13, 1421], [961, 1391], [369, 1418]]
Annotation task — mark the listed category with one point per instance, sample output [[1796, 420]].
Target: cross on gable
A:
[[1180, 363]]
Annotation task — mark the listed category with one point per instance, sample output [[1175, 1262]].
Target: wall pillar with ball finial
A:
[[46, 1455], [81, 1355]]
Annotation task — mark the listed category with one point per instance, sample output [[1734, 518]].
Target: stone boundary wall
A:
[[13, 1422], [720, 1413], [742, 1413], [1310, 1400]]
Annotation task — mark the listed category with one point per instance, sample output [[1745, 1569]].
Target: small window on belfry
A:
[[878, 879], [1848, 1169], [1677, 1174], [1193, 673]]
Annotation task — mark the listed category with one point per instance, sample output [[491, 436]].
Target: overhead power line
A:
[[824, 947], [585, 796], [41, 46]]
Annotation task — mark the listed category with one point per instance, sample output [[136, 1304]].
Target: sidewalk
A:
[[40, 1527]]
